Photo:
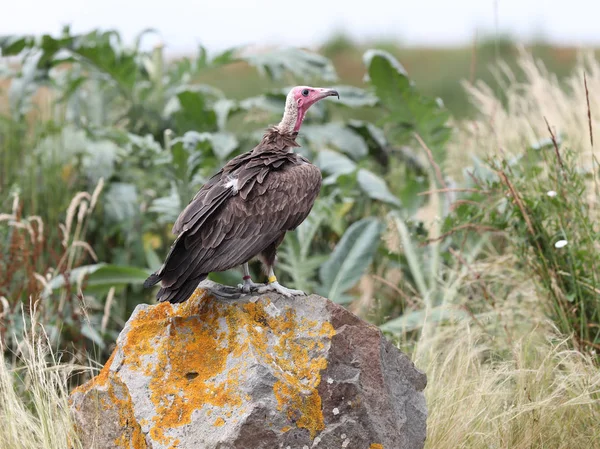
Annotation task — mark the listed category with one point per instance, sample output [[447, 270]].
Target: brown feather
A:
[[222, 228]]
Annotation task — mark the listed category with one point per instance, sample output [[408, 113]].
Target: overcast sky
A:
[[219, 24]]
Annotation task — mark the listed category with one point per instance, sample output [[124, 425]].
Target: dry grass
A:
[[34, 409], [507, 378], [521, 122], [31, 264], [538, 394]]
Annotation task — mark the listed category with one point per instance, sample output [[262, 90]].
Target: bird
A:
[[245, 209]]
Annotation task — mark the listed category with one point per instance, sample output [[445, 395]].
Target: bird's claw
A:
[[277, 287], [248, 286]]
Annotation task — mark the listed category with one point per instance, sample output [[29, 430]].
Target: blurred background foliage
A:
[[102, 145]]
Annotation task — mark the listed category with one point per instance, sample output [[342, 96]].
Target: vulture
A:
[[244, 210]]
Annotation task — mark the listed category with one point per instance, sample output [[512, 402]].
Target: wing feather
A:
[[222, 228]]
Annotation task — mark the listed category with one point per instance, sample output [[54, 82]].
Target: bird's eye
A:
[[305, 92]]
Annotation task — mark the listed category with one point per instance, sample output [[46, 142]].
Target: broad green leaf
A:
[[270, 103], [333, 162], [412, 255], [223, 144], [152, 259], [409, 192], [121, 202], [409, 111], [375, 187], [101, 51], [101, 274], [355, 97], [350, 258], [108, 275], [193, 113], [301, 63], [226, 57], [167, 207], [223, 109], [338, 136], [374, 138], [13, 45], [231, 277]]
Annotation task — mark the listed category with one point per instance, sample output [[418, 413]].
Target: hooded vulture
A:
[[245, 209]]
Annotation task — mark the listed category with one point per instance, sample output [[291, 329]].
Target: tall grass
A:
[[537, 182], [34, 387], [502, 376], [541, 394], [485, 390], [34, 267], [517, 115]]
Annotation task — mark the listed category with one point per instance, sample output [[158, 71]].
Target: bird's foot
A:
[[277, 287], [248, 286]]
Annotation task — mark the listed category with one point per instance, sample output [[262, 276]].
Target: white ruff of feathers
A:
[[290, 115]]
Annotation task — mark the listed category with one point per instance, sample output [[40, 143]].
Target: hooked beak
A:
[[328, 93]]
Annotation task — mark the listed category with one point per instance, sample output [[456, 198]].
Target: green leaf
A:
[[376, 187], [277, 63], [108, 275], [101, 51], [226, 57], [231, 277], [102, 275], [152, 259], [223, 144], [413, 257], [350, 258], [167, 207], [333, 162], [270, 102], [409, 111], [13, 45], [121, 202], [192, 113], [375, 139], [223, 109], [338, 136], [355, 97]]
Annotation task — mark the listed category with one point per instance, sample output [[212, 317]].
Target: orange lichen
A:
[[124, 405], [183, 351], [376, 446], [298, 374], [219, 422], [118, 399], [188, 356], [302, 409]]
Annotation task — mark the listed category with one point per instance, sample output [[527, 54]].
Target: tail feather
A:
[[153, 279], [181, 293]]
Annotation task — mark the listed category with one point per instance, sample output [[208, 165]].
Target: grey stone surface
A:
[[252, 372]]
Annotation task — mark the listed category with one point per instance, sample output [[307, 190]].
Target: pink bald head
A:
[[297, 103]]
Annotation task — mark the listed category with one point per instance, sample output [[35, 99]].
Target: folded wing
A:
[[236, 215]]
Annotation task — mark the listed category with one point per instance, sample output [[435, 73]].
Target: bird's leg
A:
[[274, 286], [248, 285]]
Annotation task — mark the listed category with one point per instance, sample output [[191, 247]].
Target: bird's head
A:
[[299, 99]]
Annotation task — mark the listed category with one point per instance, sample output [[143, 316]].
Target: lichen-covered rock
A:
[[250, 373]]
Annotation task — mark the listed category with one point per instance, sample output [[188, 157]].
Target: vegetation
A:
[[471, 242]]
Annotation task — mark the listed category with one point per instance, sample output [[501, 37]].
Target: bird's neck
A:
[[275, 139], [292, 119]]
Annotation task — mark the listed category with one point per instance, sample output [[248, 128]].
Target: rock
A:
[[250, 373]]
